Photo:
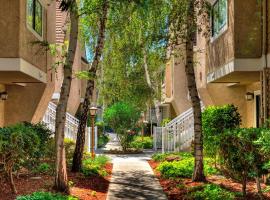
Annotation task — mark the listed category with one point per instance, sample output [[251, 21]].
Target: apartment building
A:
[[27, 81], [230, 64]]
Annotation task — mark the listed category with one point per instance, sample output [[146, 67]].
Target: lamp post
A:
[[93, 111]]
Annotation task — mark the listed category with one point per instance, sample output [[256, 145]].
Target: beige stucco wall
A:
[[29, 102], [9, 37]]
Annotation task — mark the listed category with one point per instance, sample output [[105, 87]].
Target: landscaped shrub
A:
[[103, 139], [142, 143], [18, 145], [210, 192], [163, 156], [95, 167], [242, 153], [215, 120], [45, 196], [45, 137], [43, 168], [122, 117], [184, 168]]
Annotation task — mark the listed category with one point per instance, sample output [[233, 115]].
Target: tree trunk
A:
[[78, 153], [198, 174], [61, 182], [244, 184], [11, 181], [149, 83]]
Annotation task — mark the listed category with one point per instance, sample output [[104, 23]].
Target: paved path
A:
[[133, 178]]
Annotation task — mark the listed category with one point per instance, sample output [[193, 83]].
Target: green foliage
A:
[[215, 120], [159, 157], [210, 192], [45, 137], [139, 143], [243, 153], [183, 168], [69, 147], [165, 122], [95, 167], [43, 168], [45, 196], [103, 139], [122, 117], [19, 144]]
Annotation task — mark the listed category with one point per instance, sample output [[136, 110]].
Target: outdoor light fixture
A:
[[249, 96], [3, 96], [93, 112]]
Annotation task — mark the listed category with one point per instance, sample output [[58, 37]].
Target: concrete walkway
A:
[[133, 178]]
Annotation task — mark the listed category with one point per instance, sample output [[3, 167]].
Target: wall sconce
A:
[[249, 96], [3, 96]]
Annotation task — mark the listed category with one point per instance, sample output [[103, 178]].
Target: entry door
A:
[[257, 98]]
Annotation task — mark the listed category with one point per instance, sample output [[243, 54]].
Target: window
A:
[[35, 16], [219, 17]]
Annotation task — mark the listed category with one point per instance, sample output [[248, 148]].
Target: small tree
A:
[[18, 144], [122, 117], [242, 155]]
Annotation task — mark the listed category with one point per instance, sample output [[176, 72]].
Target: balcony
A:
[[234, 52]]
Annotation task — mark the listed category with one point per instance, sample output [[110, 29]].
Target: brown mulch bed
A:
[[85, 188], [177, 189]]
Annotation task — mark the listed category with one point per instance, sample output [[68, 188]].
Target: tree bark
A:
[[80, 142], [61, 182], [198, 174], [149, 83]]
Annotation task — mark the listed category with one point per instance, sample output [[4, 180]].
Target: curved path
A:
[[133, 178]]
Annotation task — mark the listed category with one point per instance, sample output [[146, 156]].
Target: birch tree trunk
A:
[[78, 153], [61, 183], [149, 83], [198, 174]]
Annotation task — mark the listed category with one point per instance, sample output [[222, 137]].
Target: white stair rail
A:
[[178, 134], [71, 125]]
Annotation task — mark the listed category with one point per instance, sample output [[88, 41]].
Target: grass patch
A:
[[45, 196]]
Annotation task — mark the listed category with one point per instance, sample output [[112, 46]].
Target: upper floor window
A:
[[35, 16], [219, 17]]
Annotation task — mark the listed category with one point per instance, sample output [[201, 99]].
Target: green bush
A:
[[139, 143], [102, 140], [210, 192], [45, 135], [45, 196], [163, 156], [215, 120], [95, 167], [122, 117], [184, 168], [43, 168], [242, 153]]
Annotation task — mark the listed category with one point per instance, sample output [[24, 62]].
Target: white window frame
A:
[[224, 28], [30, 28]]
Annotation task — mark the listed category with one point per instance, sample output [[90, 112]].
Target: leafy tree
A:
[[78, 153], [61, 182], [18, 144], [186, 17], [122, 117]]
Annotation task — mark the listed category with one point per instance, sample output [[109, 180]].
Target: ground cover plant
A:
[[95, 166], [45, 196], [175, 178], [140, 142]]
